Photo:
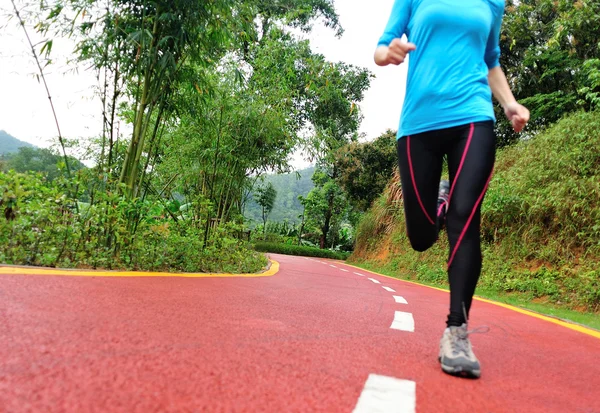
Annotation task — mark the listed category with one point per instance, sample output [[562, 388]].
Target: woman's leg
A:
[[420, 158], [471, 155], [470, 163]]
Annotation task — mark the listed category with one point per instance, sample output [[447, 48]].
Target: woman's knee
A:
[[461, 210], [420, 243]]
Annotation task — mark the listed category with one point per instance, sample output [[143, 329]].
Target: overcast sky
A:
[[25, 112]]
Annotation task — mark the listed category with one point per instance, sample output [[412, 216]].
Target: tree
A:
[[325, 207], [145, 49], [39, 160], [548, 50], [258, 20], [364, 169], [248, 126], [335, 117], [215, 95], [265, 197], [289, 186]]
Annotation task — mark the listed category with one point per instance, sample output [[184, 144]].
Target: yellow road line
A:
[[576, 327], [566, 324], [273, 269]]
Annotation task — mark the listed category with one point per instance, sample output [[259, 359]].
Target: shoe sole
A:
[[459, 371]]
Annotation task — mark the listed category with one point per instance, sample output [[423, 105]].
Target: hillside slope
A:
[[288, 187], [10, 144], [540, 222]]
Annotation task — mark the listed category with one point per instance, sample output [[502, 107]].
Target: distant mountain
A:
[[10, 144], [288, 187]]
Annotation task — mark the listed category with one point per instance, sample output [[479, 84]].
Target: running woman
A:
[[448, 112]]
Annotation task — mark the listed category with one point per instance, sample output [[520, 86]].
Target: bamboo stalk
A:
[[37, 61]]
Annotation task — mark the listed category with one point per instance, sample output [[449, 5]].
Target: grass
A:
[[517, 299]]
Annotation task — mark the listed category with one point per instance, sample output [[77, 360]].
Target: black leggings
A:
[[471, 152]]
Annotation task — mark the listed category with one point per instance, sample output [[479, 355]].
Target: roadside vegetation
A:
[[289, 249], [199, 100]]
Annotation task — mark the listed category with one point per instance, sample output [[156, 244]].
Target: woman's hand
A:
[[394, 54], [517, 114]]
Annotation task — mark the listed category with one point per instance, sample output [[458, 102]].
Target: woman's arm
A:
[[390, 49], [515, 112], [500, 87]]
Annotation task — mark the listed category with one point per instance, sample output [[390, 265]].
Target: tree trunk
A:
[[214, 175], [154, 140], [111, 142], [130, 167], [327, 223], [301, 226]]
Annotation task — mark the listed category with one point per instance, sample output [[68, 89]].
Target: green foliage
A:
[[540, 222], [265, 197], [277, 232], [549, 53], [364, 169], [260, 15], [215, 94], [303, 234], [326, 208], [141, 50], [45, 161], [303, 251], [334, 112], [591, 91], [289, 187], [544, 190], [50, 229]]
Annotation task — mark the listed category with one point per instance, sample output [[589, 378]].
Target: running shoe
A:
[[456, 354], [443, 200]]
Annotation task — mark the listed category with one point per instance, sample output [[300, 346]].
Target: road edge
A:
[[272, 269], [563, 323]]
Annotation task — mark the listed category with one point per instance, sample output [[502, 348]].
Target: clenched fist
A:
[[393, 54], [517, 114]]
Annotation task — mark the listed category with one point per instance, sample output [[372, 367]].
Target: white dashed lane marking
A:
[[403, 321], [374, 280], [332, 266], [341, 269], [359, 274], [400, 299], [389, 289], [383, 394]]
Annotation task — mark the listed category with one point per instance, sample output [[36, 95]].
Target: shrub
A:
[[47, 228], [299, 250]]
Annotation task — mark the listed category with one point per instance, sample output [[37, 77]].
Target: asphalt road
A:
[[317, 336]]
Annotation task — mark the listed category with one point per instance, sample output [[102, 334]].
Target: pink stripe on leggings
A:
[[412, 176], [462, 162], [462, 234]]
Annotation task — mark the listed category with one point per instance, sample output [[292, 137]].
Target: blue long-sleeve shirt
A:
[[457, 43]]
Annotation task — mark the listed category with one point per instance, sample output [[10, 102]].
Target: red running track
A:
[[303, 340]]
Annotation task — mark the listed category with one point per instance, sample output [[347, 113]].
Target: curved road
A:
[[318, 336]]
